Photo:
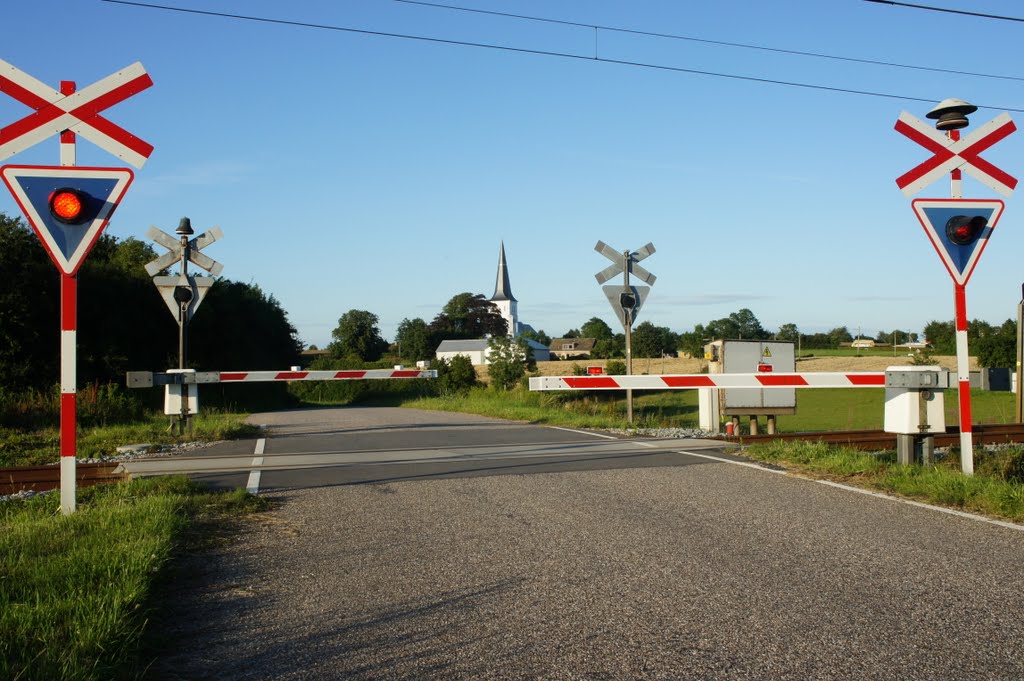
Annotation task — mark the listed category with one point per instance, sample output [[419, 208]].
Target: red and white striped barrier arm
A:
[[861, 379], [347, 375], [148, 379]]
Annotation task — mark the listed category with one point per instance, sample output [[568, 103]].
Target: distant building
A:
[[572, 348], [503, 298], [478, 351], [863, 343]]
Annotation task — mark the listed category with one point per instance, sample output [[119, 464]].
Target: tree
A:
[[838, 336], [572, 333], [357, 336], [240, 327], [692, 342], [998, 346], [653, 341], [788, 332], [741, 324], [894, 337], [941, 336], [607, 348], [414, 340], [29, 309], [596, 328], [509, 360], [469, 315], [538, 336], [123, 323]]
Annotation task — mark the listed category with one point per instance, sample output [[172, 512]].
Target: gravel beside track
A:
[[697, 572]]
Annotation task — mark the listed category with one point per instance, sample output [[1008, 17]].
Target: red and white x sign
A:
[[951, 154], [78, 113]]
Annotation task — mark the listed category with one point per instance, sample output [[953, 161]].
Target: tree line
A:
[[123, 323], [469, 315]]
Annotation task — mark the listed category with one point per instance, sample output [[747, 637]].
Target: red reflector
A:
[[595, 371], [765, 368], [66, 205]]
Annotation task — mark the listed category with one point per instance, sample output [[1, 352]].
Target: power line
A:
[[948, 11], [676, 36], [543, 53]]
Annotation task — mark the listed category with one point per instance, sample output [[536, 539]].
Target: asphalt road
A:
[[692, 568]]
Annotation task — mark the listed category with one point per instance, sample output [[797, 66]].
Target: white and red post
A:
[[68, 353], [963, 380], [963, 358]]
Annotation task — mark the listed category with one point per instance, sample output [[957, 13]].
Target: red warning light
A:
[[67, 205], [962, 230]]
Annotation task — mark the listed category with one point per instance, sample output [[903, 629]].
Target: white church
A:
[[503, 299]]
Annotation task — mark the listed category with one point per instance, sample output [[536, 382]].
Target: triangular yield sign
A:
[[638, 295], [935, 214], [67, 244], [199, 287]]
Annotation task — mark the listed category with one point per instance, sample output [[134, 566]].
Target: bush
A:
[[455, 376], [95, 405], [615, 367]]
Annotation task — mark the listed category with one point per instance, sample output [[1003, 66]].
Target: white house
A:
[[476, 350], [479, 353]]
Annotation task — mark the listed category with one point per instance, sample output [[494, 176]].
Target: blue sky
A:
[[358, 171]]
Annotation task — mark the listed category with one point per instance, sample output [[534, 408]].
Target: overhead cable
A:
[[544, 53]]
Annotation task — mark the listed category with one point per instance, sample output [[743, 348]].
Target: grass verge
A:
[[573, 410], [75, 590], [42, 446], [996, 489]]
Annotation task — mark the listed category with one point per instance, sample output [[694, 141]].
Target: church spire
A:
[[502, 288]]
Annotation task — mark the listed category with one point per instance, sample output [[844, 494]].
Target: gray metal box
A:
[[751, 357]]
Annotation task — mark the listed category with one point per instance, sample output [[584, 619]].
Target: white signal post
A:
[[952, 155]]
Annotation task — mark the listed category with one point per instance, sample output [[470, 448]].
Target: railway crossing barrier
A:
[[914, 407], [174, 379]]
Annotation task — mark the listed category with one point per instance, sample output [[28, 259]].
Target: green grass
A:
[[75, 591], [594, 410], [42, 446], [996, 489]]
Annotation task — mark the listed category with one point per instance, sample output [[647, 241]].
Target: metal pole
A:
[[183, 423], [628, 316]]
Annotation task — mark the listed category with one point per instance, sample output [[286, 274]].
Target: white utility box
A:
[[907, 387], [172, 395]]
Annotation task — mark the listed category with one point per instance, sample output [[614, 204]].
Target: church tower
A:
[[503, 298]]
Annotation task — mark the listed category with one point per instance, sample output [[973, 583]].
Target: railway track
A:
[[872, 440], [44, 478]]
